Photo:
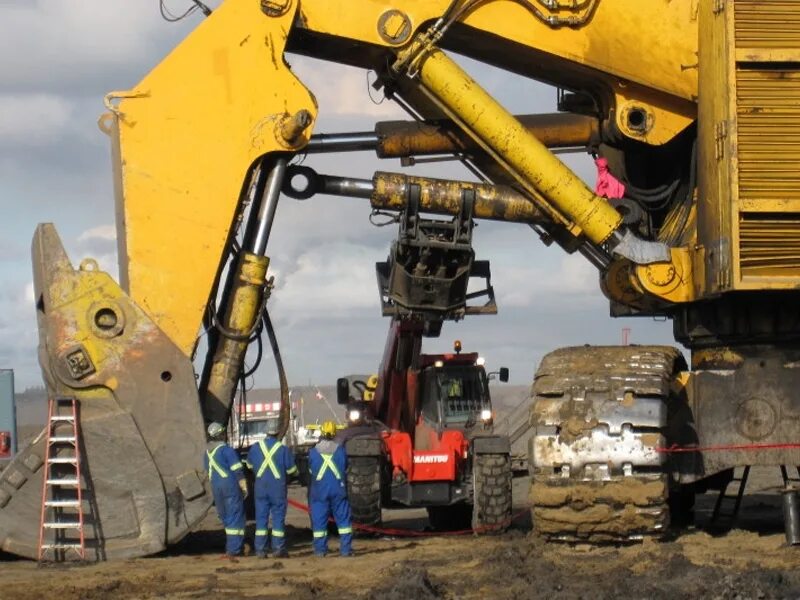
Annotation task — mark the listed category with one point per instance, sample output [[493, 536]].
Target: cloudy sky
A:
[[61, 56]]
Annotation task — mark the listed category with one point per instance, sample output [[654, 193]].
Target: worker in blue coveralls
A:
[[226, 474], [273, 464], [327, 494]]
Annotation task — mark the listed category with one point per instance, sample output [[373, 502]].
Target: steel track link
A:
[[598, 415]]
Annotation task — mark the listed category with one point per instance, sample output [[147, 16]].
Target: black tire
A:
[[453, 517], [364, 489], [491, 493]]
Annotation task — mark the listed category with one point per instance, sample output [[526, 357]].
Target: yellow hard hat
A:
[[369, 391], [328, 429]]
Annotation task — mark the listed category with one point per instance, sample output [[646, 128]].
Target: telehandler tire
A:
[[364, 489], [492, 499]]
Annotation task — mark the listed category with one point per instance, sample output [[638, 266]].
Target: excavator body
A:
[[694, 105]]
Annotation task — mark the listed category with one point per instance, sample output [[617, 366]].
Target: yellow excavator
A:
[[695, 106]]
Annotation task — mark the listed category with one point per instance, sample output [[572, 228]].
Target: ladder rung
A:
[[62, 503], [62, 418], [63, 525], [63, 481], [63, 438], [61, 547], [63, 460]]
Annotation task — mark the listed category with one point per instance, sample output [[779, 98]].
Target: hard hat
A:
[[328, 429], [369, 391], [273, 426], [215, 430]]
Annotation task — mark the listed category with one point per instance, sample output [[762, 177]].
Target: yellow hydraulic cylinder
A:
[[529, 161], [442, 196], [238, 324]]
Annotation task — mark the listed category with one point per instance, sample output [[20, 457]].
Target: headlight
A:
[[438, 364], [354, 415], [480, 361], [486, 414]]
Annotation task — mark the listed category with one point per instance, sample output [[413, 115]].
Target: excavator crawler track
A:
[[598, 414]]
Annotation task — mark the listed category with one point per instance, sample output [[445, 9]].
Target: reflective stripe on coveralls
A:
[[327, 463], [212, 464], [268, 454]]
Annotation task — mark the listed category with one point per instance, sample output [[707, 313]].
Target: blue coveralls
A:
[[327, 463], [225, 470], [272, 463]]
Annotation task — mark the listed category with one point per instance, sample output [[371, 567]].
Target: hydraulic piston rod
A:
[[390, 191], [240, 315], [396, 139]]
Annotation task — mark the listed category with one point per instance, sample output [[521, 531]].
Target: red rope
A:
[[752, 447], [415, 533]]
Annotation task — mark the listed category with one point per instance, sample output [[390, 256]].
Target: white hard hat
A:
[[215, 429]]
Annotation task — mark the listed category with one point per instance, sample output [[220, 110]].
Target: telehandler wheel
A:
[[364, 488], [492, 477]]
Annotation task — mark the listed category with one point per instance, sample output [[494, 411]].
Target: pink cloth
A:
[[607, 185]]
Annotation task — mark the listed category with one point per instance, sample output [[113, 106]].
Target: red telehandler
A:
[[425, 439]]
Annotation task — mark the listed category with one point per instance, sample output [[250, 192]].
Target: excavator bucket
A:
[[141, 428]]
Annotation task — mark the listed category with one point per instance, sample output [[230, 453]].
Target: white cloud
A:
[[66, 44], [33, 119], [343, 91], [101, 232], [332, 279], [572, 281]]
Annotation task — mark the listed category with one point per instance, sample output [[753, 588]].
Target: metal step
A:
[[62, 418], [62, 503], [77, 547], [62, 439], [63, 481], [63, 525], [63, 460]]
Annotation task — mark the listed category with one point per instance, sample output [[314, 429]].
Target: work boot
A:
[[282, 553], [261, 555]]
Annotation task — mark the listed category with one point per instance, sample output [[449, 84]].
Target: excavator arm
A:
[[200, 151]]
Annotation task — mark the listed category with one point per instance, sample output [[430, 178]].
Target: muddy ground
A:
[[751, 561]]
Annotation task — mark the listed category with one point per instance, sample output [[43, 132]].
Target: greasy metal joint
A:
[[275, 8], [394, 26], [106, 319], [636, 119], [292, 127], [669, 280]]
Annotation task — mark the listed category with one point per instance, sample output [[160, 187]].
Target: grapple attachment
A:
[[141, 428]]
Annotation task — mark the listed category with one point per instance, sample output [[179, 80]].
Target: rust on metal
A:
[[292, 127], [410, 138], [442, 196]]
